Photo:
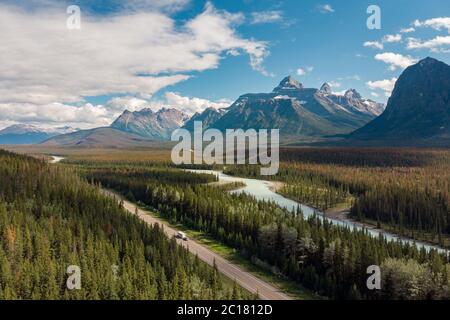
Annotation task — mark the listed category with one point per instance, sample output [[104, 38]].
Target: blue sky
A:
[[332, 43], [208, 52]]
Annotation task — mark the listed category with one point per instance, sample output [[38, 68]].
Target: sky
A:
[[193, 54]]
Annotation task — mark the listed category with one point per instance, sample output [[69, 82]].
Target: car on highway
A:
[[181, 235]]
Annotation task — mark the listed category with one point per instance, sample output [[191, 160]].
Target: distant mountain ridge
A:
[[105, 137], [30, 134], [418, 109]]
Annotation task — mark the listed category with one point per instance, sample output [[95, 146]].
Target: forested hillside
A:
[[326, 259], [50, 219]]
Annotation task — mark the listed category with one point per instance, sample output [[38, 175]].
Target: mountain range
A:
[[297, 112], [417, 111]]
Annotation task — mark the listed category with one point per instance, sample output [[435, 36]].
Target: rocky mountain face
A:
[[207, 117], [299, 112], [287, 85], [138, 128], [326, 88], [147, 123], [419, 107], [352, 101], [30, 134]]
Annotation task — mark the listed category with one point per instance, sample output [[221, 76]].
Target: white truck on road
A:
[[181, 235]]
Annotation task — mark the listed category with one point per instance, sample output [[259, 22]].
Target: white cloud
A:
[[301, 71], [392, 38], [119, 104], [395, 60], [113, 5], [374, 94], [168, 5], [334, 84], [386, 85], [305, 70], [89, 116], [43, 62], [266, 17], [325, 8], [389, 38], [434, 44], [374, 44], [85, 116], [190, 105], [440, 23], [407, 30]]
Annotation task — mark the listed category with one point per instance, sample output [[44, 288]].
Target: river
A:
[[262, 190]]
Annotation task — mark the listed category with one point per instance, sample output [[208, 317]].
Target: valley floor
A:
[[346, 184]]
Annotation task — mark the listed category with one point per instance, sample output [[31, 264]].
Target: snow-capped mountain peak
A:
[[29, 134], [352, 94], [22, 128], [288, 83], [326, 88]]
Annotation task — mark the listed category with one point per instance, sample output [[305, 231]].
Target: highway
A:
[[244, 278]]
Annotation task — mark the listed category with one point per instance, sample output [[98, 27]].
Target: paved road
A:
[[232, 271]]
